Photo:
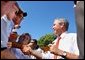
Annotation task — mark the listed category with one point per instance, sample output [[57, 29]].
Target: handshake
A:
[[26, 49]]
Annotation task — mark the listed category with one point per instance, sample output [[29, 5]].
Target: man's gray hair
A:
[[63, 21]]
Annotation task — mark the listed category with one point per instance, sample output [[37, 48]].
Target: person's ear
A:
[[62, 25]]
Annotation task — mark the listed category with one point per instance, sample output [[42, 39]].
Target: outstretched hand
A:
[[26, 49]]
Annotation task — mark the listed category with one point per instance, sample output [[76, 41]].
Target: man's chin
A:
[[55, 32]]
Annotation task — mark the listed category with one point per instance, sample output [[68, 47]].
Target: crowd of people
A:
[[14, 46]]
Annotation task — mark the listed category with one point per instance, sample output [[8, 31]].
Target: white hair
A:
[[64, 21]]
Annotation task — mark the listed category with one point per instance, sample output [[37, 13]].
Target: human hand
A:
[[55, 50], [9, 44], [26, 49]]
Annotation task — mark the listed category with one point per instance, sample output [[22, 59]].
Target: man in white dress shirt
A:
[[67, 45]]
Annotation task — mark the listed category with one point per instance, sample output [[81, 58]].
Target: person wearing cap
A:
[[16, 20], [8, 12], [6, 19], [20, 15]]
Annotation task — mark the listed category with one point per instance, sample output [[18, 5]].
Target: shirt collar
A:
[[4, 17], [63, 34]]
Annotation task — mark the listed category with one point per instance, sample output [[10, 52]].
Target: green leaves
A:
[[46, 39]]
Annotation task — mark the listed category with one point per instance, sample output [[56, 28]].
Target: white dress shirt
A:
[[68, 43], [4, 30]]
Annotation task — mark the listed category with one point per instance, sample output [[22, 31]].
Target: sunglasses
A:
[[17, 12]]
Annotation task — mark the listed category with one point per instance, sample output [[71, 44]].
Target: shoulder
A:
[[70, 37], [72, 34]]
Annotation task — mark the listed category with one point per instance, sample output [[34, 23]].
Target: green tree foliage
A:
[[47, 39]]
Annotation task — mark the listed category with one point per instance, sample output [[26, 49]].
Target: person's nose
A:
[[53, 27]]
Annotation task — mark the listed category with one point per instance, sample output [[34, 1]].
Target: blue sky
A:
[[41, 15]]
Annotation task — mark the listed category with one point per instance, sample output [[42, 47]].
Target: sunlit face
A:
[[26, 40], [17, 20], [56, 27]]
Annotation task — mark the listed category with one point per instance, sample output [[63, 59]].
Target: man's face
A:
[[56, 27], [17, 20]]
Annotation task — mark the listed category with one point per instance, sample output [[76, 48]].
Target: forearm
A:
[[36, 54], [71, 56], [29, 51], [68, 55]]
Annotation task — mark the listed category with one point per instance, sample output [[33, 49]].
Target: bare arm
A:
[[71, 56], [27, 50], [37, 54], [59, 52], [68, 55]]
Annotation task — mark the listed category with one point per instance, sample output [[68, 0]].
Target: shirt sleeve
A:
[[75, 45]]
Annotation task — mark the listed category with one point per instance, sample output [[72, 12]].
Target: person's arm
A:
[[71, 56], [64, 54], [37, 54], [27, 50]]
